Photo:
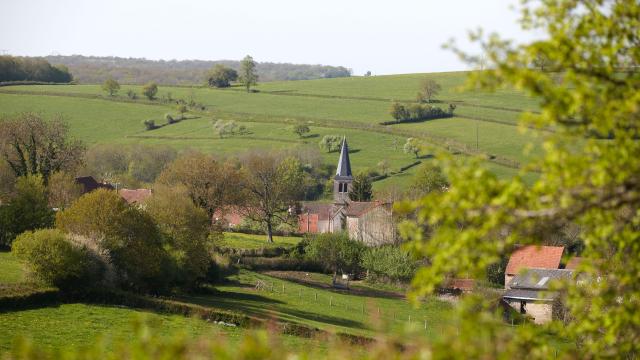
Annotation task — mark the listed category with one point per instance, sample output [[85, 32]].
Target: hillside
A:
[[484, 123], [95, 69]]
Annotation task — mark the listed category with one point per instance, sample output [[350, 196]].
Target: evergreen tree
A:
[[361, 188]]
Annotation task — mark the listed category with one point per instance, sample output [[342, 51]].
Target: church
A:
[[371, 222]]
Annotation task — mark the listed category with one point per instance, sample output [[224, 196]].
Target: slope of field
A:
[[485, 122], [11, 271]]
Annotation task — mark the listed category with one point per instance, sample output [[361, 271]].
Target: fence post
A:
[[425, 324], [283, 288], [330, 300], [316, 295], [409, 319]]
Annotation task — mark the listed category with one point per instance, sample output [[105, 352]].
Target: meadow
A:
[[352, 107]]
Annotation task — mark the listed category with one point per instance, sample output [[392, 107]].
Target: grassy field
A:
[[11, 271], [251, 241], [330, 310], [345, 106]]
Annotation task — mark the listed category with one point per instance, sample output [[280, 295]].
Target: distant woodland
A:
[[94, 70], [32, 69]]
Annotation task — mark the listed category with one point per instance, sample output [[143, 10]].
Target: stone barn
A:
[[529, 293], [532, 256]]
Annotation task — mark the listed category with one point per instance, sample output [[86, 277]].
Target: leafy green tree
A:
[[335, 252], [185, 228], [361, 189], [111, 86], [34, 146], [330, 143], [588, 175], [390, 262], [398, 111], [52, 258], [150, 90], [301, 130], [383, 165], [270, 185], [412, 147], [28, 209], [428, 178], [127, 234], [221, 76], [429, 88], [248, 75], [225, 128], [182, 109]]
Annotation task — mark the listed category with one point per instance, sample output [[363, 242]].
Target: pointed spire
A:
[[344, 165]]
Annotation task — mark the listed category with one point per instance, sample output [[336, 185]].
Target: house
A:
[[370, 222], [229, 217], [532, 256], [529, 293], [135, 197], [89, 184]]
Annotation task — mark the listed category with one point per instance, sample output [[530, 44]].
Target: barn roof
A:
[[533, 256], [323, 210], [134, 196], [533, 284]]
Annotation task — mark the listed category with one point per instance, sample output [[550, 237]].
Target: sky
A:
[[385, 37]]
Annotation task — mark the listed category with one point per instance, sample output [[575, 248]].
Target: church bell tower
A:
[[343, 180]]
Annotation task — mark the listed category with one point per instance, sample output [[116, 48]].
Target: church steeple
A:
[[343, 179]]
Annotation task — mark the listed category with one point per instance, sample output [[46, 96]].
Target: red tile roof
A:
[[533, 256], [134, 196], [573, 263]]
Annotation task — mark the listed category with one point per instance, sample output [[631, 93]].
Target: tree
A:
[[301, 130], [150, 90], [63, 190], [390, 262], [225, 128], [398, 111], [582, 179], [211, 185], [127, 235], [270, 186], [34, 146], [428, 178], [221, 76], [429, 88], [541, 61], [368, 73], [361, 188], [412, 147], [52, 258], [28, 209], [383, 165], [182, 109], [335, 252], [185, 228], [111, 86], [330, 143], [248, 75]]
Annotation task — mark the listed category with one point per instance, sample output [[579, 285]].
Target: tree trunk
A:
[[269, 232]]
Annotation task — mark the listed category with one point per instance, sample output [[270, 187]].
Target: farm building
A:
[[532, 256], [528, 292]]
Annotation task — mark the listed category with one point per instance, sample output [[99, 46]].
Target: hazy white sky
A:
[[399, 36]]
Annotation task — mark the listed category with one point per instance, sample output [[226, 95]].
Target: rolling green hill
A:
[[485, 123]]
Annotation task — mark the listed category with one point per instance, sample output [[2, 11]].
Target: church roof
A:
[[344, 165]]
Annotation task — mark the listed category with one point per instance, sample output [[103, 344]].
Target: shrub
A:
[[169, 118], [52, 258], [132, 94], [336, 252], [149, 124], [389, 261], [128, 236]]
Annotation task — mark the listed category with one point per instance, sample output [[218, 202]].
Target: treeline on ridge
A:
[[93, 69], [32, 69]]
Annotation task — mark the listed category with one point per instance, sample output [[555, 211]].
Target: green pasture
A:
[[253, 241], [336, 311], [11, 270]]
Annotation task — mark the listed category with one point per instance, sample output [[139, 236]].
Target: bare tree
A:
[[34, 146], [428, 90]]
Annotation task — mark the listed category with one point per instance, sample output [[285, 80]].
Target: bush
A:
[[169, 118], [336, 252], [127, 235], [389, 261], [52, 258], [149, 124], [416, 112]]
